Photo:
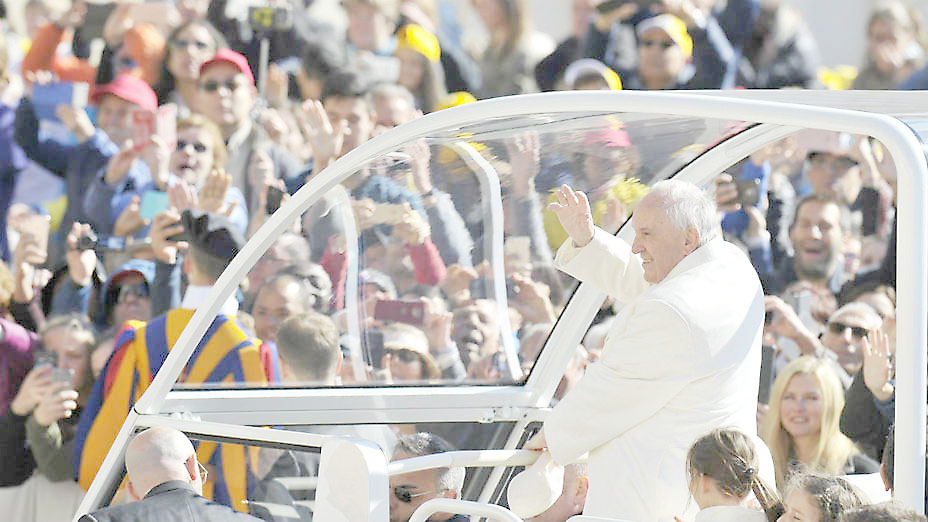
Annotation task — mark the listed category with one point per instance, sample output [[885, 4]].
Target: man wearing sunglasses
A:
[[227, 97], [411, 490], [846, 333], [165, 478]]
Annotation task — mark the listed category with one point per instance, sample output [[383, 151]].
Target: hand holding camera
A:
[[164, 227], [81, 256]]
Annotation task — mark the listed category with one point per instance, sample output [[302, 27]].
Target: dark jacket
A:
[[864, 419], [170, 501]]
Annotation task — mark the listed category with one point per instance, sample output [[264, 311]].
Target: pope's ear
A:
[[691, 238]]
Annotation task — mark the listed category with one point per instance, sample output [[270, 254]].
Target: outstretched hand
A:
[[572, 209]]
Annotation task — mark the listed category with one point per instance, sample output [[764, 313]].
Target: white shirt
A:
[[195, 297]]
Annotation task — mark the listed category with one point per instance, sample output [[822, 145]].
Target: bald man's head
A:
[[158, 455]]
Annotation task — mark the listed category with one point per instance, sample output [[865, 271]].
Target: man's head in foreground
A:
[[411, 490], [158, 455], [671, 222]]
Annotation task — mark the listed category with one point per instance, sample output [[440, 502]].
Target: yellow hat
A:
[[415, 37], [586, 66], [454, 99], [673, 26]]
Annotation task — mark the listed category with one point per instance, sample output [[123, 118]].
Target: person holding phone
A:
[[37, 430]]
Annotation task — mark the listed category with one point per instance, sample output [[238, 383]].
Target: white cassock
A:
[[681, 359]]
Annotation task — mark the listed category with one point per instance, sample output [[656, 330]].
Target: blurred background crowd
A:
[[142, 144]]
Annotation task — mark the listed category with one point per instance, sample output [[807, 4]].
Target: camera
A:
[[265, 19], [88, 241]]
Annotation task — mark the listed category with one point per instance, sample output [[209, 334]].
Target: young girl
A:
[[819, 498], [723, 473]]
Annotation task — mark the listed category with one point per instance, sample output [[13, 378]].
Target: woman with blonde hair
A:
[[801, 427], [507, 64]]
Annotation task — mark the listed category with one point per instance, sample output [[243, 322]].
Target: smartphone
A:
[[801, 302], [36, 226], [274, 197], [409, 312], [373, 348], [46, 98], [62, 376], [44, 358], [153, 203], [95, 20], [766, 374], [748, 192], [161, 123]]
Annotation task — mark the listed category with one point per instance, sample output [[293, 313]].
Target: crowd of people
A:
[[142, 145]]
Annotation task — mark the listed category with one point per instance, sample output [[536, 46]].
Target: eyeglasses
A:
[[184, 44], [138, 290], [663, 44], [203, 472], [858, 332], [405, 493], [822, 159], [213, 85], [198, 147]]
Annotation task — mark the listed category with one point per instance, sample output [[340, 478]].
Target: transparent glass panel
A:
[[435, 261]]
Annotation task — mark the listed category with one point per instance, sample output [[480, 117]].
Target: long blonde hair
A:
[[833, 448]]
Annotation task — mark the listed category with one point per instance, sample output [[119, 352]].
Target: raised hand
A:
[[76, 120], [119, 164], [878, 367], [325, 137], [573, 211], [130, 220], [525, 160], [31, 390], [182, 196], [166, 225], [212, 197]]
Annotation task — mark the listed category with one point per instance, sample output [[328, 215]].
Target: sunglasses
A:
[[663, 44], [405, 493], [198, 147], [406, 356], [819, 159], [138, 290], [184, 44], [203, 472], [839, 328], [213, 85]]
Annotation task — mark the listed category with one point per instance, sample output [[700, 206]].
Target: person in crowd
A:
[[100, 157], [889, 511], [420, 66], [551, 69], [321, 57], [801, 427], [288, 249], [894, 47], [590, 74], [137, 51], [190, 45], [37, 431], [393, 104], [411, 490], [573, 496], [819, 498], [407, 357], [724, 471], [817, 234], [508, 62], [165, 478], [282, 296], [307, 344], [666, 53], [227, 97], [847, 332], [212, 243], [12, 158], [869, 411], [475, 330], [676, 291], [780, 52]]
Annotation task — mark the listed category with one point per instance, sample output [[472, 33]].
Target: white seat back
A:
[[353, 483]]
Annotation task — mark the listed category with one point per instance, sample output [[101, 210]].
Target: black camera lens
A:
[[88, 241]]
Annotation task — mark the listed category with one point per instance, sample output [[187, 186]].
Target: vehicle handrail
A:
[[466, 459], [462, 507]]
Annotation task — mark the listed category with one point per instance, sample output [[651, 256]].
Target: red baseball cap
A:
[[130, 88], [611, 137], [231, 57]]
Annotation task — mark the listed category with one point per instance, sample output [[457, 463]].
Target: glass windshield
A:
[[434, 262]]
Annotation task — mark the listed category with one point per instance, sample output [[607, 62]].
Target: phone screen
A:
[[274, 197], [766, 374], [153, 203], [409, 312]]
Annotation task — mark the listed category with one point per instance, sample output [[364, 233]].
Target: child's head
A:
[[811, 497], [723, 470]]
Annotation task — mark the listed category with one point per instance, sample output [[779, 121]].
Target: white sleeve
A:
[[607, 263]]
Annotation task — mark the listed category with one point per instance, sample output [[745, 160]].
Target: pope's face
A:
[[659, 243]]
